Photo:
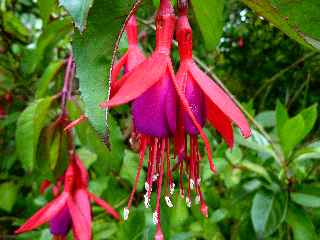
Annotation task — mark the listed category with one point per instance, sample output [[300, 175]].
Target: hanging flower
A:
[[70, 208], [130, 59], [207, 102], [154, 91]]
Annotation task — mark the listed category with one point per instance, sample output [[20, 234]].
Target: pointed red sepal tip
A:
[[74, 123], [159, 234], [204, 209], [44, 186], [44, 214], [110, 210]]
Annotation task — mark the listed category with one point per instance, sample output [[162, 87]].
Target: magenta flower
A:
[[154, 92], [207, 102], [70, 208]]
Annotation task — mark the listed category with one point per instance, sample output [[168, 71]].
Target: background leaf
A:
[[93, 50], [129, 169], [53, 34], [267, 212], [46, 8], [209, 14], [301, 224], [47, 76], [29, 126], [79, 10], [298, 19], [8, 192], [292, 133]]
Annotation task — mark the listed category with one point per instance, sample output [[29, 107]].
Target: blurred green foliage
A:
[[266, 187]]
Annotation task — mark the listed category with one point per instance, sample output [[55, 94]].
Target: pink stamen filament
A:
[[161, 165], [143, 147]]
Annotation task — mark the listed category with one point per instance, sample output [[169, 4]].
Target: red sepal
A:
[[110, 210], [139, 80], [218, 97], [80, 225], [45, 214], [220, 122]]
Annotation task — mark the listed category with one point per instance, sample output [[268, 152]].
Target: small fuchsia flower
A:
[[207, 102], [130, 59], [153, 90], [70, 208]]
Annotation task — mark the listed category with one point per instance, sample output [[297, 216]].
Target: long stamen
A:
[[156, 217], [187, 108], [142, 152]]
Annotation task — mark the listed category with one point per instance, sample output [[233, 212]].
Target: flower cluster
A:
[[169, 108]]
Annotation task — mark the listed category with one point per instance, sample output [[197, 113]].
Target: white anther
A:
[[172, 186], [146, 186], [146, 201], [155, 177], [191, 184], [168, 201], [125, 213], [155, 217], [197, 200], [188, 201], [198, 181]]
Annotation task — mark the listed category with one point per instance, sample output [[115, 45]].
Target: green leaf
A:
[[300, 223], [306, 200], [298, 19], [209, 15], [54, 149], [47, 76], [179, 212], [93, 50], [107, 160], [133, 227], [8, 192], [309, 116], [14, 26], [257, 169], [267, 212], [29, 126], [291, 134], [79, 10], [129, 169], [46, 7], [6, 80], [87, 157], [256, 142], [311, 151], [266, 119], [281, 116], [50, 37]]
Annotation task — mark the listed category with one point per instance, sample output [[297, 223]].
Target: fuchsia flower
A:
[[130, 59], [207, 102], [154, 93], [70, 208]]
